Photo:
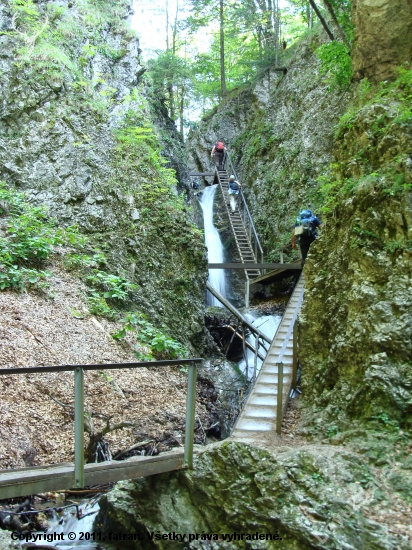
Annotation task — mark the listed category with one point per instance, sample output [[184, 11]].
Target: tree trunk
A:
[[222, 52], [321, 19], [181, 111], [328, 6], [276, 6], [167, 25]]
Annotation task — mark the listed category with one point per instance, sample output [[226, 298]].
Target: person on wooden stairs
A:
[[305, 232], [233, 192], [218, 150]]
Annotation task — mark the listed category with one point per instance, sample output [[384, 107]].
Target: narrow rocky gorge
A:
[[83, 133]]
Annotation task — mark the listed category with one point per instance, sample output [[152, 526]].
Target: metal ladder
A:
[[239, 231]]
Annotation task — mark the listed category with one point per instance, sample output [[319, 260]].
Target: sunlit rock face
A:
[[383, 37], [71, 98]]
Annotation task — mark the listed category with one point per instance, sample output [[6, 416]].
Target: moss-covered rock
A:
[[383, 37], [313, 497], [355, 327]]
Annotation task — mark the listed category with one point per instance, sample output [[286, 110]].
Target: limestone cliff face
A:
[[77, 135], [383, 37], [280, 136]]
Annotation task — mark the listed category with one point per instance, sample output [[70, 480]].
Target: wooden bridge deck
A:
[[276, 274], [20, 482]]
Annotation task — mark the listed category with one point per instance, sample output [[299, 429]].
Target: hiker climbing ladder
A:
[[243, 242]]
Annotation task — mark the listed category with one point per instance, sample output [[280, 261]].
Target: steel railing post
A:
[[279, 413], [79, 427], [247, 290], [256, 357], [244, 350], [295, 356], [190, 415]]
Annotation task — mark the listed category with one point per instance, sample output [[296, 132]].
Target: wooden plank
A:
[[40, 479], [141, 466], [37, 480]]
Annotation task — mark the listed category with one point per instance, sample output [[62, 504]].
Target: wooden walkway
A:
[[20, 482], [258, 419], [276, 274]]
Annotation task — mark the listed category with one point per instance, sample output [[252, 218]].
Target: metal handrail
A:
[[228, 161], [79, 401], [291, 332]]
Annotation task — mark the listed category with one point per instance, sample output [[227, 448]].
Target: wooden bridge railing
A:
[[79, 401]]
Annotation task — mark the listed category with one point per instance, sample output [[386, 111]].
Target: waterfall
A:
[[214, 246]]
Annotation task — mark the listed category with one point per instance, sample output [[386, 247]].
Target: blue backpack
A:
[[304, 226]]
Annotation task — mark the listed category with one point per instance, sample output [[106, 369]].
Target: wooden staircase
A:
[[257, 421], [242, 239]]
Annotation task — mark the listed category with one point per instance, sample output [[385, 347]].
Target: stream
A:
[[73, 532]]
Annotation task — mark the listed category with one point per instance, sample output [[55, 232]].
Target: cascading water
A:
[[214, 246], [77, 533], [267, 324]]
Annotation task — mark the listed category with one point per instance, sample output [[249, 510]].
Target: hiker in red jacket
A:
[[218, 151]]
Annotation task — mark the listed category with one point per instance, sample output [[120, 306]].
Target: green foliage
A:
[[397, 246], [387, 423], [184, 76], [83, 261], [332, 431], [161, 346], [361, 237], [376, 178], [114, 287], [336, 64], [27, 239], [317, 477], [98, 306]]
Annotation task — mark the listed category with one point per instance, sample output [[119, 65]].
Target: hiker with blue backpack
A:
[[233, 192], [305, 231]]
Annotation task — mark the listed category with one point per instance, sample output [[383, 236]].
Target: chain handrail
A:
[[227, 163]]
